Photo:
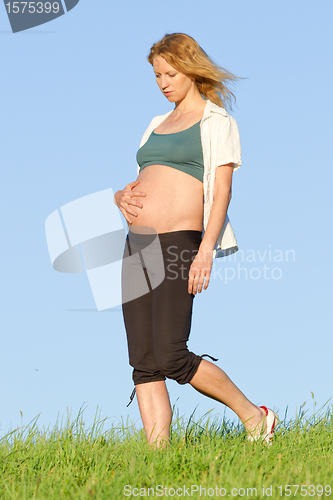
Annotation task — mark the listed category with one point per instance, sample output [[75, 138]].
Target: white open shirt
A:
[[220, 146]]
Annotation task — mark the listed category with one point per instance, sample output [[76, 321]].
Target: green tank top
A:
[[180, 150]]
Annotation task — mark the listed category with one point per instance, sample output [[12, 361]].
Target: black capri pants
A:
[[157, 307]]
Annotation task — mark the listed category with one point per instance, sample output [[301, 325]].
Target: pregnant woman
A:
[[180, 199]]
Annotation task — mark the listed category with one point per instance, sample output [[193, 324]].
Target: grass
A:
[[71, 462]]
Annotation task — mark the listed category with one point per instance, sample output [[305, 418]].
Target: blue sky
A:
[[77, 95]]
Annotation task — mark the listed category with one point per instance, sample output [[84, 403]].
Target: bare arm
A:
[[202, 264], [222, 197]]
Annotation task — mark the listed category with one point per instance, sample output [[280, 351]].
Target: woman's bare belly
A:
[[173, 201]]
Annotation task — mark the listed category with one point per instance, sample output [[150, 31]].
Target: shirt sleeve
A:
[[229, 147]]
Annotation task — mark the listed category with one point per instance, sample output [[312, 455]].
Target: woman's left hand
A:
[[200, 271]]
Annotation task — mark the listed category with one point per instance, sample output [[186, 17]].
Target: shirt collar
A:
[[213, 108]]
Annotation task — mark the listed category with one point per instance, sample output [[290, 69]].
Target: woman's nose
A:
[[164, 83]]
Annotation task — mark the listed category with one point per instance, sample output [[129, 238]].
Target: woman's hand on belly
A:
[[125, 199]]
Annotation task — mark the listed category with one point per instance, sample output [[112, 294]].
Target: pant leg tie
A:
[[131, 397], [203, 355]]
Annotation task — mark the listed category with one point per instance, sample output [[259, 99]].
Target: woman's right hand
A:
[[125, 198]]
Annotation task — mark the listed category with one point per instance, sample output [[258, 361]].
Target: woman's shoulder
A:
[[160, 118], [220, 117], [152, 125], [156, 121]]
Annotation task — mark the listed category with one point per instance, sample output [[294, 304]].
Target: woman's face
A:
[[174, 84]]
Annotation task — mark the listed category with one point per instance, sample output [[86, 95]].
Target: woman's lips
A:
[[168, 93]]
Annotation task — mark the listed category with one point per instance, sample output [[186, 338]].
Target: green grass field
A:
[[209, 458]]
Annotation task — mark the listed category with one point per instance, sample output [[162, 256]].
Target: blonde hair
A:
[[184, 54]]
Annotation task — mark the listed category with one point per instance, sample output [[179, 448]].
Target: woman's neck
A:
[[191, 102]]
